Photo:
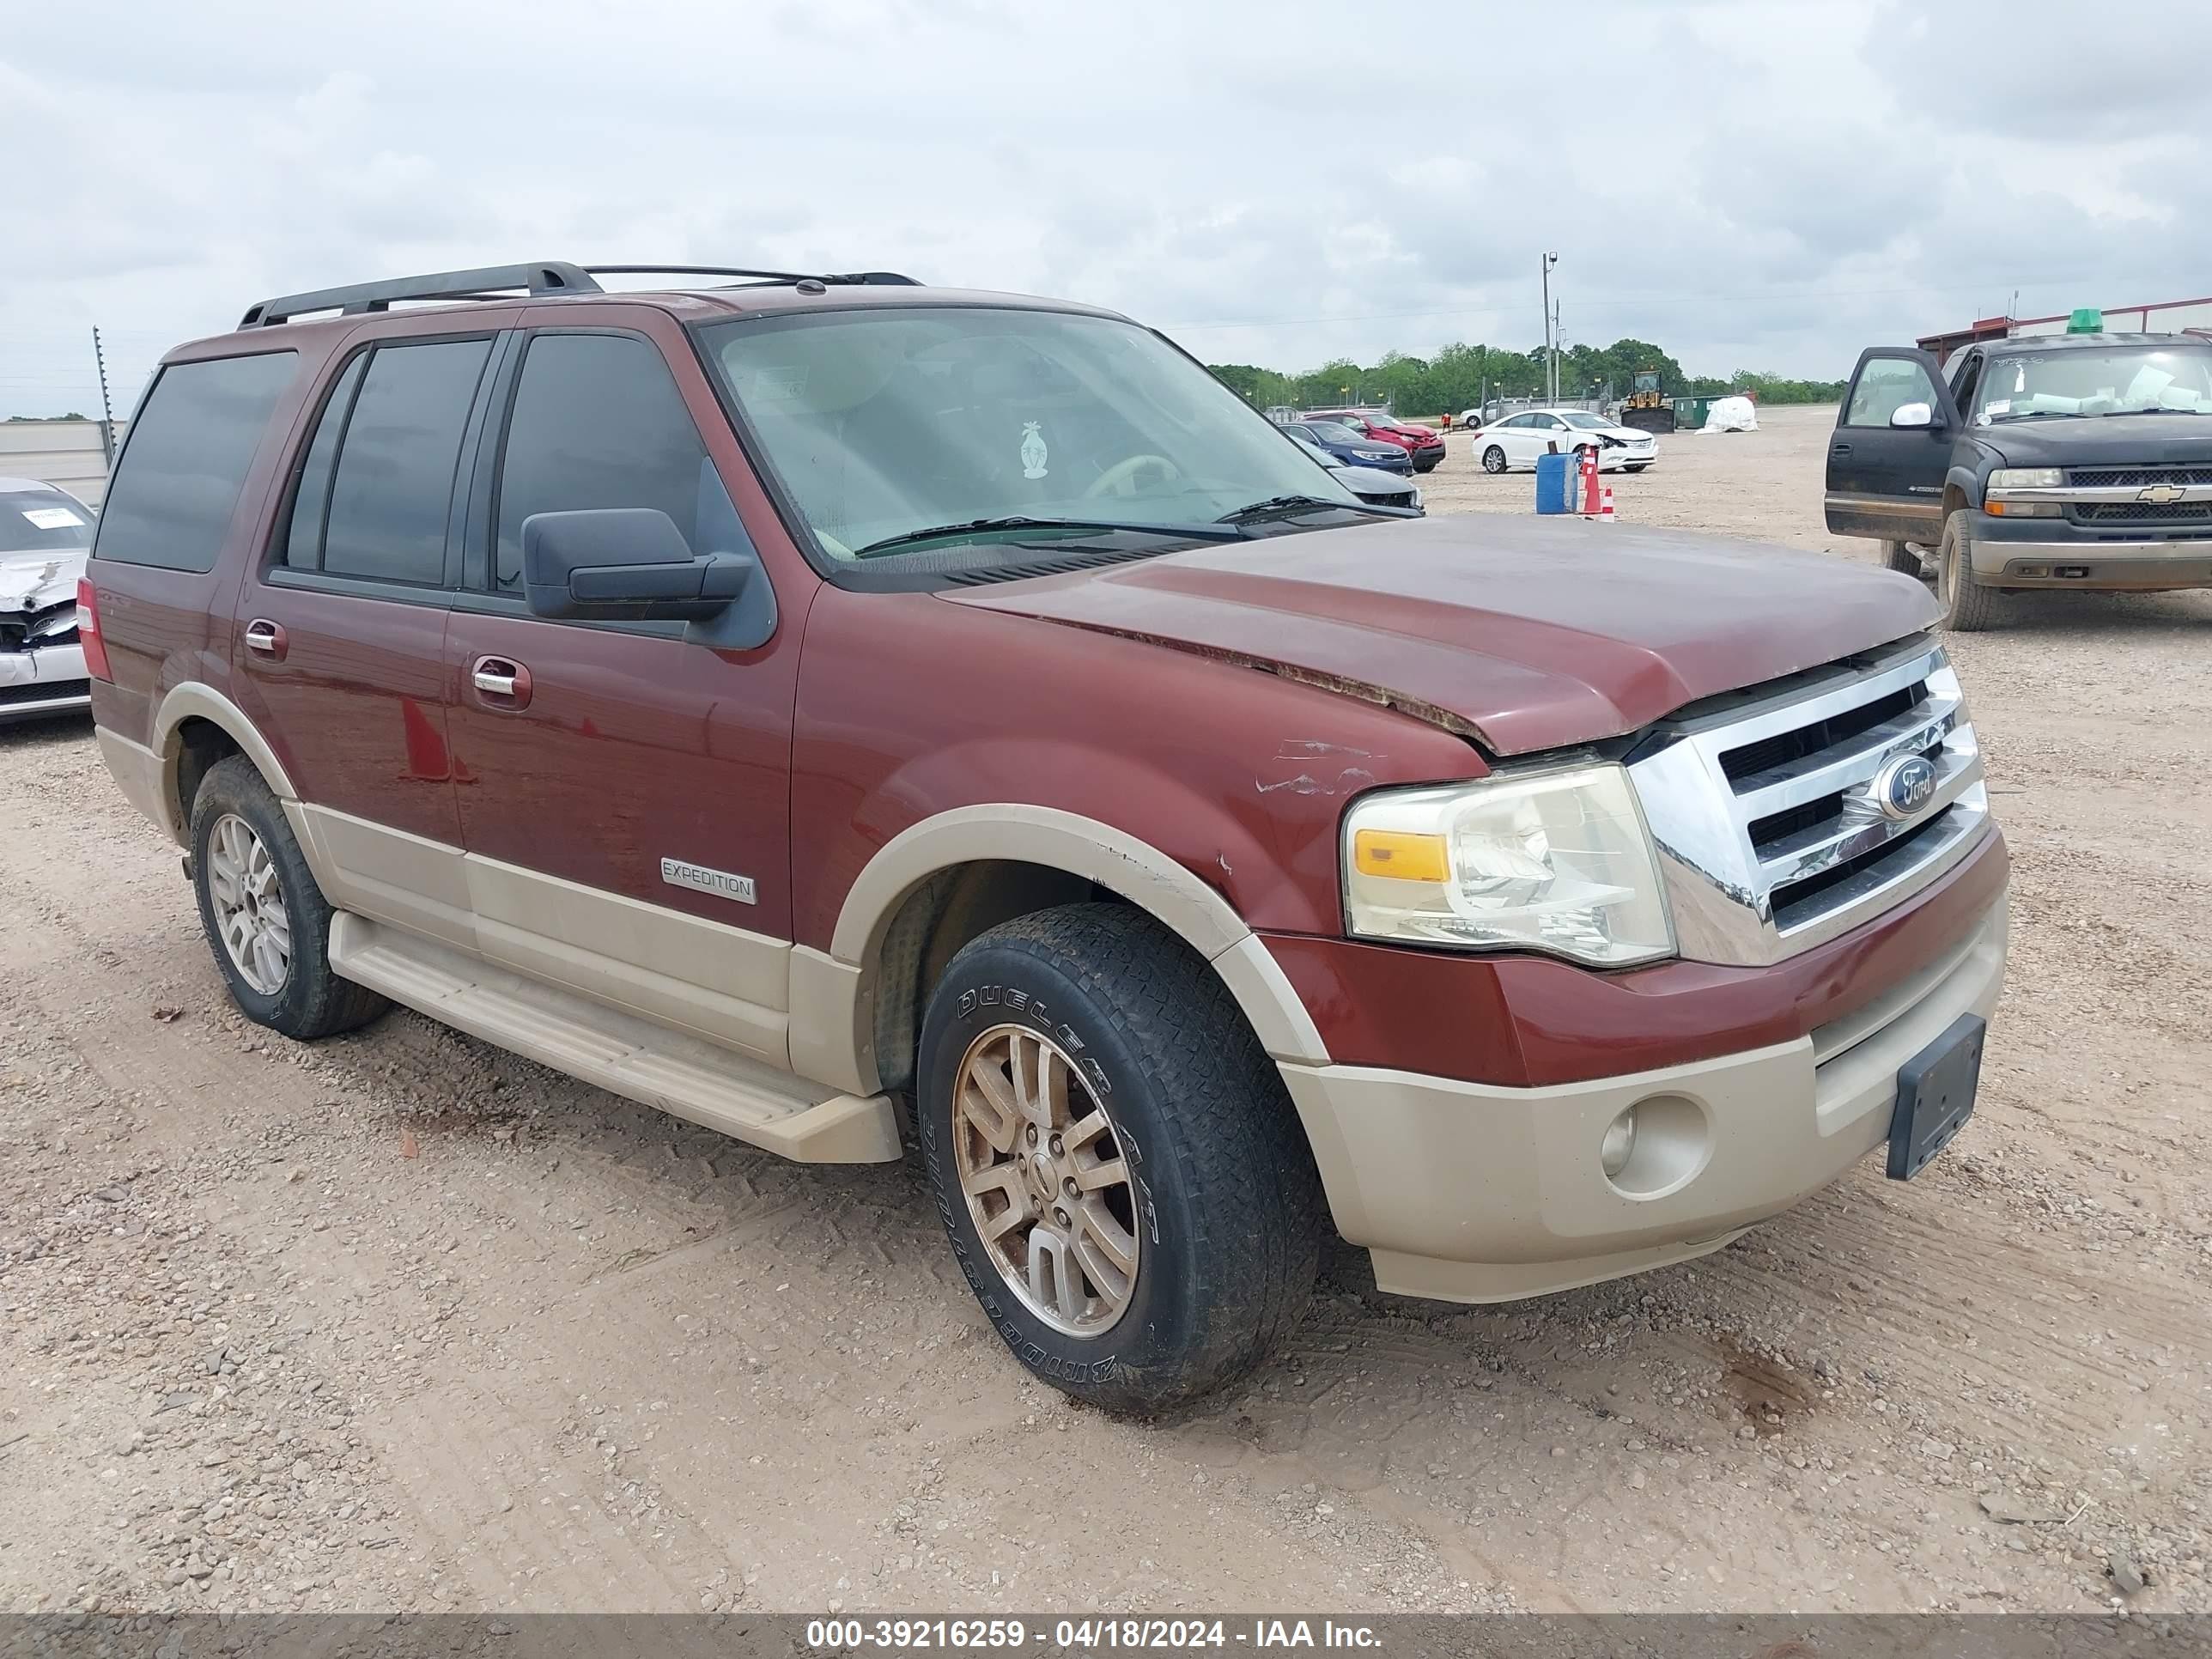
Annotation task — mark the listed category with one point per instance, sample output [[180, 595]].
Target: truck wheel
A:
[[267, 922], [1899, 556], [1493, 460], [1968, 607], [1123, 1178]]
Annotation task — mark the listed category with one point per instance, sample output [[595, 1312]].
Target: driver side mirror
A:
[[625, 564], [1914, 415]]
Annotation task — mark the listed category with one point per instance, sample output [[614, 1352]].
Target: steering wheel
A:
[[1121, 478]]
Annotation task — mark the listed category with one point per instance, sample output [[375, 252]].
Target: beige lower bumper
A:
[[140, 773], [1468, 1193]]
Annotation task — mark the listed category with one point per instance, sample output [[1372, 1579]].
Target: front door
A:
[[624, 790], [340, 641], [1891, 448]]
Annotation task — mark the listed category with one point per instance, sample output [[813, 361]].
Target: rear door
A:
[[1890, 448], [339, 653], [625, 789]]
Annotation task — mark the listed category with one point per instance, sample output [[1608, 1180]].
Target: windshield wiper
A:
[[1275, 505], [1196, 532]]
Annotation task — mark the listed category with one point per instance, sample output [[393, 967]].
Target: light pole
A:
[[1551, 359]]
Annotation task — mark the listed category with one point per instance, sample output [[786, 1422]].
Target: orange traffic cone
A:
[[1605, 506]]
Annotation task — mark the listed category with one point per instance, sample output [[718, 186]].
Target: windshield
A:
[[1334, 432], [1584, 421], [43, 521], [2083, 380], [885, 423]]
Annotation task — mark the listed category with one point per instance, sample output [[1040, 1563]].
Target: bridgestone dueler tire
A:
[[313, 1001], [1968, 607], [1231, 1219]]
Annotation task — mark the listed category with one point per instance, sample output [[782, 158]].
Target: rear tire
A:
[[267, 921], [1199, 1173], [1493, 460], [1899, 556], [1968, 607]]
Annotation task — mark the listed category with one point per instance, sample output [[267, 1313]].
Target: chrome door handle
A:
[[266, 638], [501, 679]]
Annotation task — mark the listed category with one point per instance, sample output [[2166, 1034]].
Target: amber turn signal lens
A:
[[1400, 854]]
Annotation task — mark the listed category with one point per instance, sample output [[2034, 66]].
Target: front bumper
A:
[[2051, 553], [50, 680], [1613, 460], [1468, 1192]]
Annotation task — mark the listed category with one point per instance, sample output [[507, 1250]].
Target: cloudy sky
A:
[[1750, 185]]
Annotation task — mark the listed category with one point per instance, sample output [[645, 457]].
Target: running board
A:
[[683, 1076]]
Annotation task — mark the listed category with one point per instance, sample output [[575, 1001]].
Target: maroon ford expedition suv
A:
[[833, 710]]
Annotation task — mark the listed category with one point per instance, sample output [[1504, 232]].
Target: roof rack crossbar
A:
[[547, 277], [891, 278]]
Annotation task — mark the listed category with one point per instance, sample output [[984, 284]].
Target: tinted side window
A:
[[303, 538], [394, 481], [598, 422], [176, 485], [1964, 382]]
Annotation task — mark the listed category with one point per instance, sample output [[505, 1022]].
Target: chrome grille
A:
[[1763, 804]]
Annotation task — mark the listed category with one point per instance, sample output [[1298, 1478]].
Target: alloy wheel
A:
[[1046, 1183], [249, 906]]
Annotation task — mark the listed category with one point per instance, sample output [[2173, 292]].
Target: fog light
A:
[[1613, 1153]]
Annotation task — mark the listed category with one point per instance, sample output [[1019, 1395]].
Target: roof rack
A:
[[548, 277], [765, 278]]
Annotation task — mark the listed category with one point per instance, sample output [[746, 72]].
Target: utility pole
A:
[[1551, 360], [1559, 344], [107, 412]]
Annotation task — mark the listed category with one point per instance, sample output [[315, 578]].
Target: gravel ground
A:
[[401, 1322]]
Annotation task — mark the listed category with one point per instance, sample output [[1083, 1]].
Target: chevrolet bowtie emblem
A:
[[2161, 494]]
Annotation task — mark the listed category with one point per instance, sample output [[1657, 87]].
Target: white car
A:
[[44, 536], [1514, 442]]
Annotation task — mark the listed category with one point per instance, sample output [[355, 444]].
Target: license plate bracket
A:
[[1936, 1095]]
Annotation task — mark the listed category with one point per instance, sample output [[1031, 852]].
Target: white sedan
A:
[[1515, 441]]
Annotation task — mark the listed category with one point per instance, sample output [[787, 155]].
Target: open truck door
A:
[[1891, 448]]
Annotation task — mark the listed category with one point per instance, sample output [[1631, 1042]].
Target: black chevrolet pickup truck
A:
[[2068, 460]]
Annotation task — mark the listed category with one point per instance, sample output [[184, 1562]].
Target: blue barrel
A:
[[1555, 484]]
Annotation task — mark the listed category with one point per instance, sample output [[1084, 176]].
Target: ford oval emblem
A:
[[1905, 786]]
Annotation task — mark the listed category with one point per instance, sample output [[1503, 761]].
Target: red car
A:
[[847, 714], [1421, 442]]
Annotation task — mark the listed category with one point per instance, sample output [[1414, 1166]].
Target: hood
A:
[[2101, 440], [32, 581], [1525, 633]]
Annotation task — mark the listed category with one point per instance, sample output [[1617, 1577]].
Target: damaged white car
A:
[[44, 534]]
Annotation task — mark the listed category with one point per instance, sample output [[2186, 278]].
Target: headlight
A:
[[2025, 478], [1555, 861]]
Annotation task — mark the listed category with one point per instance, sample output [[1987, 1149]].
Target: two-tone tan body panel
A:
[[622, 968]]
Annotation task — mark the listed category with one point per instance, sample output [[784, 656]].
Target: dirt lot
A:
[[400, 1321]]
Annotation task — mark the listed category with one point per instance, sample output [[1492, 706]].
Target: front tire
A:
[[1122, 1178], [1635, 466], [267, 922], [1968, 607], [1493, 460]]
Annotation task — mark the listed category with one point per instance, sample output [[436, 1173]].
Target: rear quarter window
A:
[[176, 482]]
